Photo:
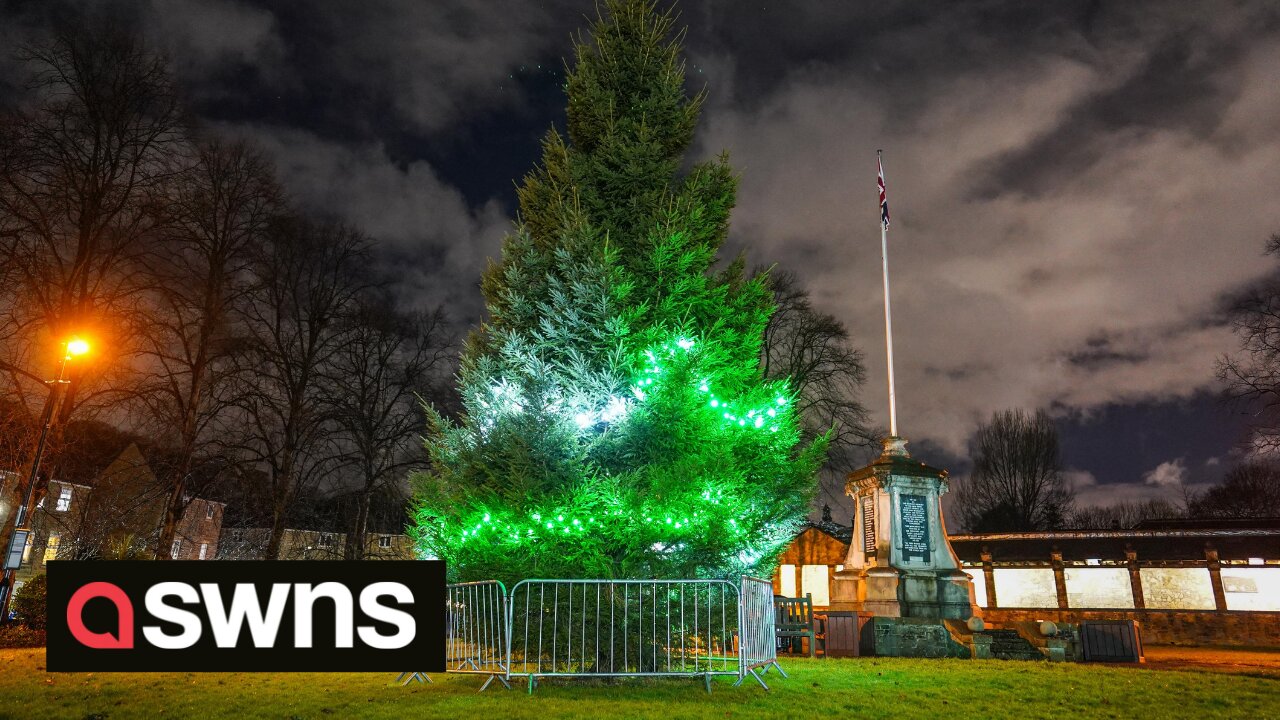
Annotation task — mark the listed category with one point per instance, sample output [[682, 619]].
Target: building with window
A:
[[118, 513], [199, 530], [299, 544], [1186, 581], [57, 526]]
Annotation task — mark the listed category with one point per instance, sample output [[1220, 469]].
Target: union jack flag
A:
[[884, 199]]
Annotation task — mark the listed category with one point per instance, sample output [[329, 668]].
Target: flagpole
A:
[[888, 318]]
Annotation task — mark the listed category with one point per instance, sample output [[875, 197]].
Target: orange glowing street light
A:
[[12, 558]]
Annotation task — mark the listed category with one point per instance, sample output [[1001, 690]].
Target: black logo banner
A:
[[256, 616]]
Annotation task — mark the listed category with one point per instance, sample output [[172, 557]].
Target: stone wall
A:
[[1164, 627]]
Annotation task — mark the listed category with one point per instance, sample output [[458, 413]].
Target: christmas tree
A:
[[616, 420]]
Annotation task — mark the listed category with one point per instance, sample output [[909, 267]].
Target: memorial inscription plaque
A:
[[868, 525], [915, 526]]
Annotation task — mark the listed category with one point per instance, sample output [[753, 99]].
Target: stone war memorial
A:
[[901, 572]]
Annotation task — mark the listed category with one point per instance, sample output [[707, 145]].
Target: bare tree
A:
[[81, 163], [1249, 490], [218, 211], [388, 361], [1253, 376], [80, 173], [814, 350], [1123, 515], [1016, 483], [307, 282]]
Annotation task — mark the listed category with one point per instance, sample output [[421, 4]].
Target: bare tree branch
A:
[[1016, 483]]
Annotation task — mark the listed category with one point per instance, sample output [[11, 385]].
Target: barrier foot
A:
[[490, 680], [407, 677], [759, 679], [706, 680], [533, 682], [781, 672]]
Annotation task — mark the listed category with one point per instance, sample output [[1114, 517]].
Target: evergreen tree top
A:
[[617, 421]]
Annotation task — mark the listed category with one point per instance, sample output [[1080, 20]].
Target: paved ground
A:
[[1262, 662]]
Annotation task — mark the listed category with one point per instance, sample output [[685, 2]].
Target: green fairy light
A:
[[650, 372], [738, 413]]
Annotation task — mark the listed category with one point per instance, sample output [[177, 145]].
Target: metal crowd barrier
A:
[[611, 628], [759, 644], [476, 630], [623, 628]]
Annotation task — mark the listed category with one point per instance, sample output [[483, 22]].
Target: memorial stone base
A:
[[901, 568], [910, 637]]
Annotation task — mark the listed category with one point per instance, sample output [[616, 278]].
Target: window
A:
[[1252, 588], [1177, 588], [813, 581], [979, 578], [64, 500], [208, 511], [787, 580], [177, 549], [1025, 587], [384, 541], [51, 546], [204, 551], [1098, 587]]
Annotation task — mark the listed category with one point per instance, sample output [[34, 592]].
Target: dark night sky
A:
[[1077, 187]]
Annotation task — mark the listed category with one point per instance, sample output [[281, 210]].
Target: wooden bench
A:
[[793, 620]]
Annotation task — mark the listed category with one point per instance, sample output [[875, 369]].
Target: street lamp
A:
[[12, 559]]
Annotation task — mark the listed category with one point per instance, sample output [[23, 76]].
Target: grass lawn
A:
[[848, 688]]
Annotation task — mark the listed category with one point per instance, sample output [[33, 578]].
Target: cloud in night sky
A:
[[1064, 232], [423, 225], [1077, 188], [1170, 473]]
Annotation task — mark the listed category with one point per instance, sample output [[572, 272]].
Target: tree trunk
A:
[[277, 535], [359, 529], [172, 512], [279, 517]]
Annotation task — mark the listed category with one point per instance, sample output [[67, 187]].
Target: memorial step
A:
[[1009, 645]]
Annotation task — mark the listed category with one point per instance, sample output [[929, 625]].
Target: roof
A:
[[1148, 545], [843, 533], [1210, 523], [1233, 540]]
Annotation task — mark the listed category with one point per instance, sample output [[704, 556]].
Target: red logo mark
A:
[[123, 640]]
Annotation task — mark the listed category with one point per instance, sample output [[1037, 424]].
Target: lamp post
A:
[[22, 522]]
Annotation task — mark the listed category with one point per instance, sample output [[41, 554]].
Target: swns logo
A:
[[314, 616]]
